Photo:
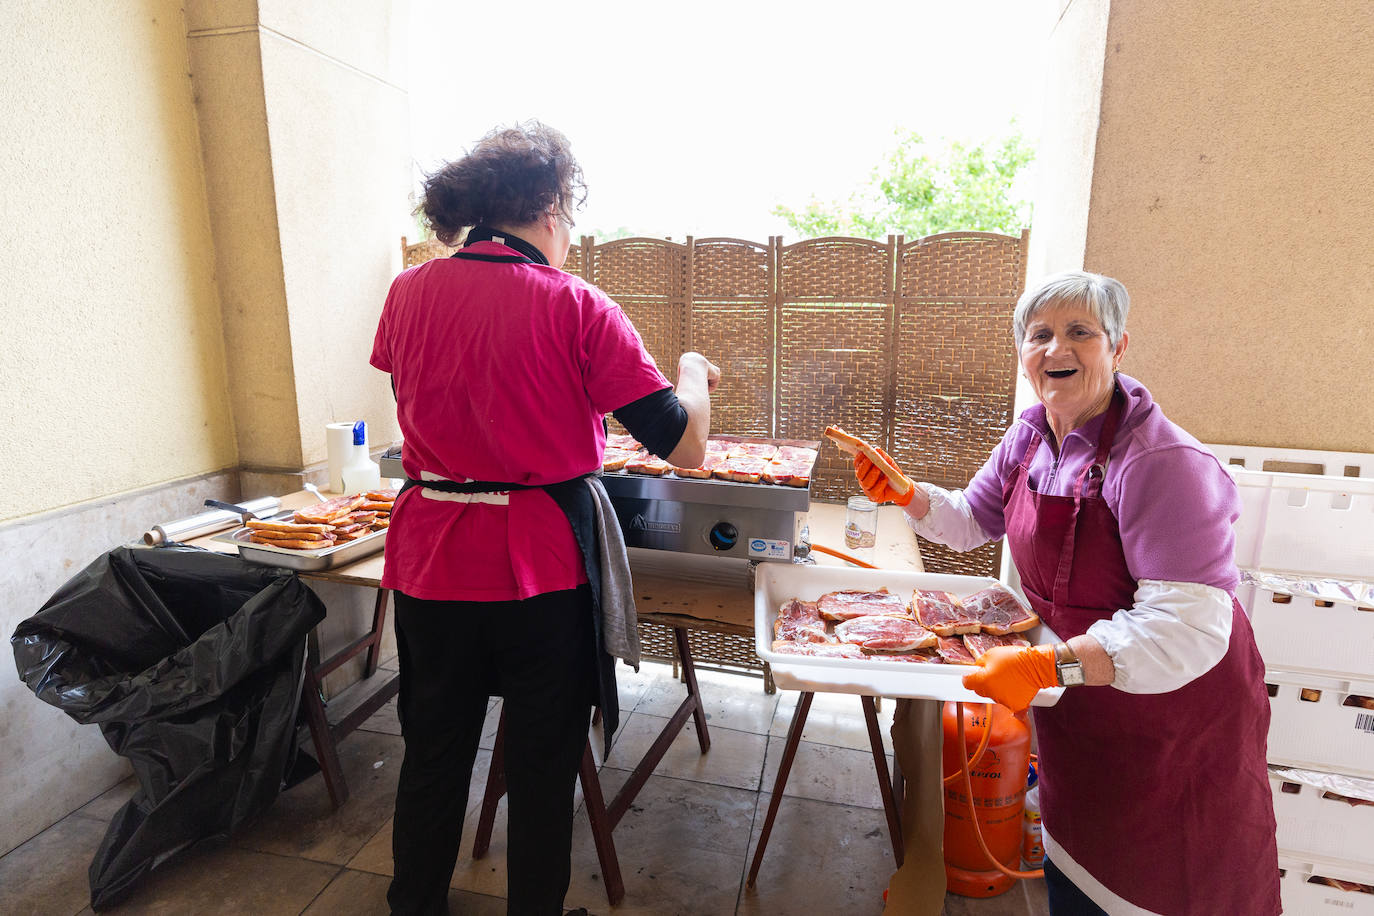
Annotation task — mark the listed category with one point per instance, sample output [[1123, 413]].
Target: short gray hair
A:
[[1104, 297]]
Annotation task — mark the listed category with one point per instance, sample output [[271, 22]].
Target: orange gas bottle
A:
[[999, 789]]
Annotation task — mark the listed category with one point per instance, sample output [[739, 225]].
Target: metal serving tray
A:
[[776, 582], [303, 560]]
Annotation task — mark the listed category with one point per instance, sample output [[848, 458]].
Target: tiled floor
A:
[[684, 846]]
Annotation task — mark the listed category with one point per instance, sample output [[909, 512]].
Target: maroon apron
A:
[[1163, 798]]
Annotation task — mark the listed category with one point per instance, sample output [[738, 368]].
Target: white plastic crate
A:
[[1318, 723], [1311, 635], [1311, 461], [1303, 894], [1313, 825], [1316, 524], [1304, 525]]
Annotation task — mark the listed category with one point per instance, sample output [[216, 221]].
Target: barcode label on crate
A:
[[1364, 722]]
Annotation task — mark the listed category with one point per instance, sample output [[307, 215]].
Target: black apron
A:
[[573, 497]]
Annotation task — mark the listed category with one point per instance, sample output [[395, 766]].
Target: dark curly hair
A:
[[511, 177]]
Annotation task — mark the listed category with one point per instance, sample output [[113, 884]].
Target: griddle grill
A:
[[722, 518]]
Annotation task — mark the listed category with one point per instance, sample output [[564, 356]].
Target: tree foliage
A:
[[920, 190]]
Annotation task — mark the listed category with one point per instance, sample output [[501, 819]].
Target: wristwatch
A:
[[1068, 668]]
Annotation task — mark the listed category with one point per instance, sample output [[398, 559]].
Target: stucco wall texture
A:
[[1232, 188], [114, 376], [308, 178], [203, 212]]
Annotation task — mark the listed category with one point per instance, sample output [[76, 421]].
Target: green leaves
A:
[[920, 190]]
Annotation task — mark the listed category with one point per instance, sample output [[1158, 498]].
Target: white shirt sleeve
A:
[[950, 520], [1174, 633]]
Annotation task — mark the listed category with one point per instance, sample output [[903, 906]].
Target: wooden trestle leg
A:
[[496, 787], [601, 827], [875, 740], [789, 753], [602, 817], [886, 784]]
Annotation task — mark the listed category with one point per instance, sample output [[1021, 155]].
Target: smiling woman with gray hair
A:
[[1154, 790]]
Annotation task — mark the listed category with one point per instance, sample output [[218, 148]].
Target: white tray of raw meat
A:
[[776, 582]]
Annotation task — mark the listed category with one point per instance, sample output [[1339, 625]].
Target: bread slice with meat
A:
[[853, 445]]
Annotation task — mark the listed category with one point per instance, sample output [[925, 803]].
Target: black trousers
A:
[[537, 654], [1065, 897]]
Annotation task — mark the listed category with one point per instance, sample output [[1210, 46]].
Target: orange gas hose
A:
[[843, 556], [973, 813]]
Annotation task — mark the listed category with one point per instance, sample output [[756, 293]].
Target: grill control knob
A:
[[723, 536]]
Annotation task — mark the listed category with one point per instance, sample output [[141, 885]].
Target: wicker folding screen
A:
[[732, 286], [834, 319], [420, 252], [955, 364], [648, 278], [907, 344]]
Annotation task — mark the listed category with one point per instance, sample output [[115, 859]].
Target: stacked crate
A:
[[1305, 546]]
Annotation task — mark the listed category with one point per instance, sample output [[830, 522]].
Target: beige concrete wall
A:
[[339, 123], [114, 375], [1232, 190], [226, 69], [114, 387], [200, 210], [309, 176], [1076, 35]]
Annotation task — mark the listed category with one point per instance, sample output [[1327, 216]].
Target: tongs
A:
[[243, 513]]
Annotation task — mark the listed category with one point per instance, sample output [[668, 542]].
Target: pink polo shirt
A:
[[503, 372]]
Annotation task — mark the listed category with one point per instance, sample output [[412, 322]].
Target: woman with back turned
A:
[[504, 368]]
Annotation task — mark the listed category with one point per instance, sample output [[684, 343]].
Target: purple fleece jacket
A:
[[1174, 502]]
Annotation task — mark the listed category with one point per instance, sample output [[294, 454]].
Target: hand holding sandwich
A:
[[878, 474]]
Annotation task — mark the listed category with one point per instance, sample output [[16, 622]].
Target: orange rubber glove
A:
[[875, 483], [1013, 676]]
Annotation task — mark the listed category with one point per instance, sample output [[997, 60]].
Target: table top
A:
[[670, 600]]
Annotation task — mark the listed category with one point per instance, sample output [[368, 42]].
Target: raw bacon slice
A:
[[740, 469], [799, 621], [999, 611], [704, 471], [763, 450], [717, 445], [644, 463], [790, 473], [800, 476], [885, 634], [796, 453], [620, 440], [921, 656], [616, 458], [942, 613], [330, 510], [979, 643], [953, 651], [850, 603], [824, 650]]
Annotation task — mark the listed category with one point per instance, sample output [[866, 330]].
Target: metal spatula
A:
[[230, 507]]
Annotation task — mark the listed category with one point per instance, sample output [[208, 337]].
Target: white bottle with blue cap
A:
[[360, 473]]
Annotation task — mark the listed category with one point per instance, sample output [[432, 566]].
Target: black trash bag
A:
[[191, 662]]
